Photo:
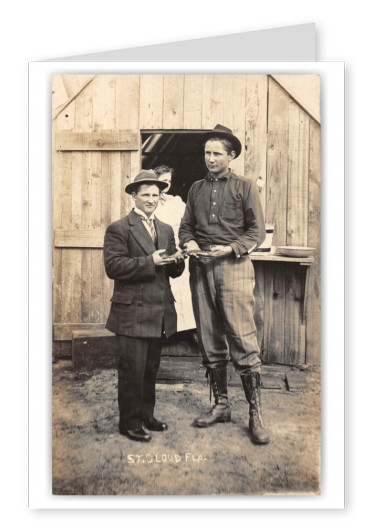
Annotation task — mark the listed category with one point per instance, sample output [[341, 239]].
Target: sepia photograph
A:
[[186, 284]]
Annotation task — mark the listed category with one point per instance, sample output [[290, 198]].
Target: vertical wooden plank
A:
[[66, 195], [104, 94], [135, 164], [85, 285], [151, 101], [75, 272], [56, 285], [298, 159], [83, 119], [57, 190], [274, 313], [276, 183], [256, 130], [125, 169], [212, 101], [259, 304], [234, 114], [86, 190], [116, 191], [70, 286], [127, 101], [77, 169], [193, 86], [313, 296], [294, 350], [97, 280], [96, 190], [106, 190], [64, 213], [173, 101]]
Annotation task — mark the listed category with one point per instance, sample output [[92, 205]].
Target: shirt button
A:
[[214, 203], [216, 180], [213, 215], [214, 190]]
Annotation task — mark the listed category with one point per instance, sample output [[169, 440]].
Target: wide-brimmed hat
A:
[[145, 177], [220, 131]]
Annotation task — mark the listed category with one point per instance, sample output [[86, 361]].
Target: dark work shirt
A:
[[224, 211]]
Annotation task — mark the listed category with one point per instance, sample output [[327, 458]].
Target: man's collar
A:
[[143, 215], [209, 177]]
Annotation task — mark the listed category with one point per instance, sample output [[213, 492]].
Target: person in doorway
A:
[[140, 255], [170, 210], [222, 224]]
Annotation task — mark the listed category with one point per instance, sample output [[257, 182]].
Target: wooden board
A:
[[297, 186], [104, 105], [234, 114], [173, 101], [212, 101], [89, 238], [106, 191], [276, 186], [125, 179], [85, 291], [115, 180], [256, 130], [259, 293], [313, 290], [274, 313], [86, 190], [110, 140], [127, 102], [83, 116], [151, 102], [295, 328], [193, 87]]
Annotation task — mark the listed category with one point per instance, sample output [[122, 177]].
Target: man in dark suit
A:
[[137, 251]]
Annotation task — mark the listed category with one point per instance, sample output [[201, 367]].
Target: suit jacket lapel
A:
[[140, 233], [161, 234]]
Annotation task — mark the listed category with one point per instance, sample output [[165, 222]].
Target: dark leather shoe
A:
[[153, 424], [139, 434]]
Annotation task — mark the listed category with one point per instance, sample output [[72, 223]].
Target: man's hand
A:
[[160, 258], [179, 256], [191, 247], [220, 250]]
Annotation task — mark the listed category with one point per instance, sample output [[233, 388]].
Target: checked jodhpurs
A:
[[223, 304]]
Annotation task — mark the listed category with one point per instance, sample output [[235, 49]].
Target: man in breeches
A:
[[223, 223]]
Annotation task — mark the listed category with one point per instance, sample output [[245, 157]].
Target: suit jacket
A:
[[142, 297]]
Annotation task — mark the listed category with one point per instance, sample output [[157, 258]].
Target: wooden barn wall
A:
[[282, 146]]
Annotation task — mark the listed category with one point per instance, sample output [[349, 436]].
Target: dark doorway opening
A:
[[182, 151]]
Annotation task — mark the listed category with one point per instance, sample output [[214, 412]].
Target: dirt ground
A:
[[90, 457]]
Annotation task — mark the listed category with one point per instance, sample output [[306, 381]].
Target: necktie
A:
[[150, 222]]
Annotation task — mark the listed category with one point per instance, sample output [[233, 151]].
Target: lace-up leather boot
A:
[[252, 384], [221, 411]]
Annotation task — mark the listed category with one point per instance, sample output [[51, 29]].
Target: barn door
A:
[[91, 170]]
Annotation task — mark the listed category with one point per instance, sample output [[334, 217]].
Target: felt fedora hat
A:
[[145, 177], [220, 131]]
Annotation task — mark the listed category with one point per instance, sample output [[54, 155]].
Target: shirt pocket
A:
[[232, 211]]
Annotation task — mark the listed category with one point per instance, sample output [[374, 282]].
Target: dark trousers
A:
[[137, 371]]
